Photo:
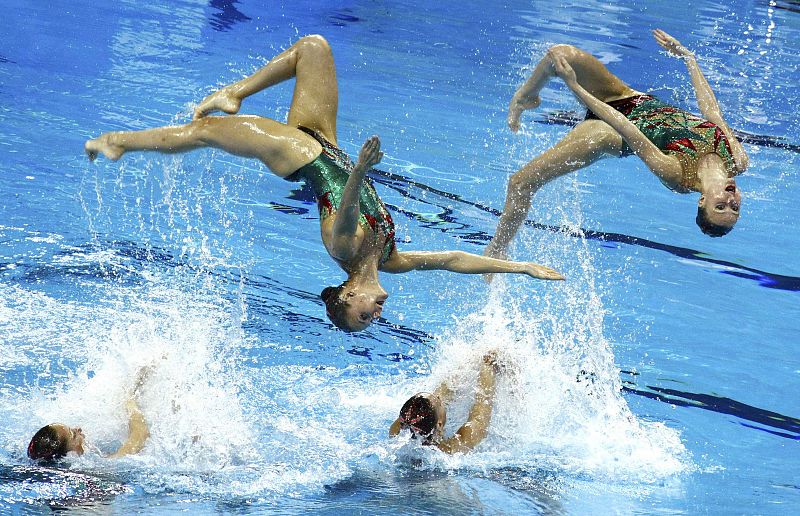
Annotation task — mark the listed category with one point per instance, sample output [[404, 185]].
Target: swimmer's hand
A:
[[141, 377], [564, 70], [369, 155], [224, 100], [535, 270], [500, 363], [670, 44], [490, 359], [106, 144]]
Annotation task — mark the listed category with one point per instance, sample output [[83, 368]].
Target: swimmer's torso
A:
[[327, 176], [676, 133]]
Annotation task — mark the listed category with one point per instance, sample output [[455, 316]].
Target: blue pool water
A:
[[209, 267]]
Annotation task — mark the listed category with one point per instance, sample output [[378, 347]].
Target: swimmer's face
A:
[[722, 205], [361, 308], [72, 436]]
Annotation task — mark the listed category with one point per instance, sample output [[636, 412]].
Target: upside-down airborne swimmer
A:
[[356, 227]]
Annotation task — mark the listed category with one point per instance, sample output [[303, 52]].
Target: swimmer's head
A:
[[334, 305], [424, 415], [55, 441], [718, 209], [352, 307]]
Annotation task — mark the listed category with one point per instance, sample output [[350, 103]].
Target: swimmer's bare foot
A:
[[223, 100], [103, 143], [517, 105]]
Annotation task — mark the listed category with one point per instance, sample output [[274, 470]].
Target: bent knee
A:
[[203, 129], [522, 182], [563, 50], [316, 42]]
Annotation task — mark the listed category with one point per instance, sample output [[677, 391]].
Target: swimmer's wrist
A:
[[359, 170]]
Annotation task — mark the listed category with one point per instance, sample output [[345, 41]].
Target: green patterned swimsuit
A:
[[676, 132], [327, 175]]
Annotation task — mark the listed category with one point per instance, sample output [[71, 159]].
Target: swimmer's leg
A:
[[316, 96], [586, 143], [282, 148], [589, 71]]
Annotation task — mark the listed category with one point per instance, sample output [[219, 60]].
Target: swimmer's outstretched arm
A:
[[463, 263], [138, 430], [345, 224], [475, 429], [667, 168], [706, 100]]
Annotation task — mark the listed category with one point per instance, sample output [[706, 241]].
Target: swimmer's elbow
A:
[[471, 434], [138, 441]]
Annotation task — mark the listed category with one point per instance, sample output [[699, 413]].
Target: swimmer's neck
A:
[[711, 173], [364, 273]]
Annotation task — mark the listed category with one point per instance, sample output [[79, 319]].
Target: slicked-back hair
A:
[[708, 227], [46, 445], [419, 415], [335, 307]]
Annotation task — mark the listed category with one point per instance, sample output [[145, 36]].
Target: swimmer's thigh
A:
[[316, 93], [591, 73], [587, 142], [283, 148]]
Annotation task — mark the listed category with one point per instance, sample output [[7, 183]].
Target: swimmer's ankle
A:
[[518, 105]]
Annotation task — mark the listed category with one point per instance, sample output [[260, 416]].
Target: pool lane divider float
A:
[[765, 420]]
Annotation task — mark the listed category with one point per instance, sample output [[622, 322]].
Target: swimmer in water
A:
[[687, 153], [357, 229], [56, 440], [425, 413]]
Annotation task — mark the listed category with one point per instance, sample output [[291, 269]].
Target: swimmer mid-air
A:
[[356, 227], [56, 440], [425, 413], [686, 152]]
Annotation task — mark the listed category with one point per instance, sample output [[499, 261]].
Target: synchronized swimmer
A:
[[686, 152], [425, 413], [357, 229], [56, 440]]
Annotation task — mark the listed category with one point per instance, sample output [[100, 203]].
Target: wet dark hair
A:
[[419, 415], [335, 307], [709, 228], [46, 445]]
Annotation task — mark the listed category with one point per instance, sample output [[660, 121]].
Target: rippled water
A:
[[659, 377]]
